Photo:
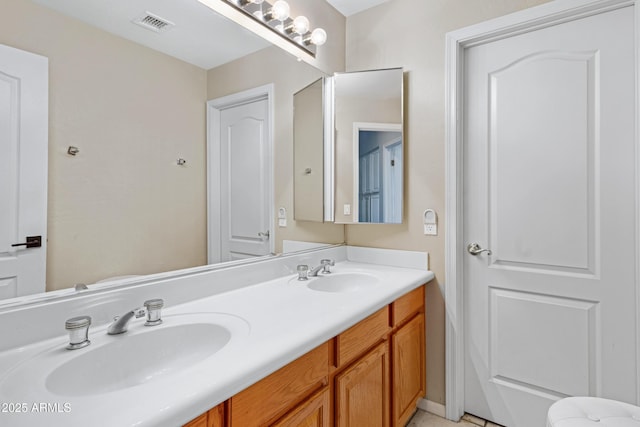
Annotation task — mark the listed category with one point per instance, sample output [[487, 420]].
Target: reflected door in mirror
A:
[[23, 171], [380, 175]]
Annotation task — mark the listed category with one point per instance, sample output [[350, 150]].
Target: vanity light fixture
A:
[[276, 17]]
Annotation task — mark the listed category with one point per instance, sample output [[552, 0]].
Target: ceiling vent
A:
[[153, 22]]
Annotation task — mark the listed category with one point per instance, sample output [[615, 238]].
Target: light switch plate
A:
[[347, 209]]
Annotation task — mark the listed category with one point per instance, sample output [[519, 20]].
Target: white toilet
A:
[[591, 412]]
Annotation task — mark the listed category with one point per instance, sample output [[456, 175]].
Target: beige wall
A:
[[132, 112], [272, 65], [411, 34]]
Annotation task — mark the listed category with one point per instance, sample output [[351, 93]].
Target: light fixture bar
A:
[[276, 18]]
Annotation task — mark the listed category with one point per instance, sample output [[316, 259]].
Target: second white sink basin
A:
[[343, 282]]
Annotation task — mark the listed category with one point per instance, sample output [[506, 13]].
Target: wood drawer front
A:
[[313, 412], [405, 306], [283, 389], [362, 336]]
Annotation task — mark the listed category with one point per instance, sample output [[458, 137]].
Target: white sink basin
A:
[[116, 362], [136, 359], [343, 282]]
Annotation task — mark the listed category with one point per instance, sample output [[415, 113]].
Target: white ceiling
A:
[[350, 7], [200, 36]]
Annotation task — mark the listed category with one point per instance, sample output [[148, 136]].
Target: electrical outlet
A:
[[431, 229], [347, 209]]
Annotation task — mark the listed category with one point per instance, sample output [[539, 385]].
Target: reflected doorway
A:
[[239, 175], [379, 174]]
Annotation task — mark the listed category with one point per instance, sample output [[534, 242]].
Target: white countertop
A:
[[283, 320]]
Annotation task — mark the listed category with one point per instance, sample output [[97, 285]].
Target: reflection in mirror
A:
[[313, 157], [369, 146], [132, 200], [379, 178]]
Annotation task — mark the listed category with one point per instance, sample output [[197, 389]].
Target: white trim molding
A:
[[457, 42], [432, 407], [214, 108]]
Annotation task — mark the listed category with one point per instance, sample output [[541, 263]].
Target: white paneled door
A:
[[550, 196], [243, 174], [23, 171]]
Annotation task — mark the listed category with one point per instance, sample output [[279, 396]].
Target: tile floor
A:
[[426, 419]]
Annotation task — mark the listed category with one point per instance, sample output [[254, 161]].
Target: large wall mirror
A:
[[362, 135], [132, 201]]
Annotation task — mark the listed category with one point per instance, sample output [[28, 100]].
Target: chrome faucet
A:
[[325, 266], [151, 307]]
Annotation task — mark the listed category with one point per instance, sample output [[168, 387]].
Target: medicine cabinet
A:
[[348, 148]]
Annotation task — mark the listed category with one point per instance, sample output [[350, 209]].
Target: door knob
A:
[[475, 249], [264, 235]]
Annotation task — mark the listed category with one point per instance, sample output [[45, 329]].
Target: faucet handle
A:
[[303, 272], [326, 265], [154, 311], [78, 328]]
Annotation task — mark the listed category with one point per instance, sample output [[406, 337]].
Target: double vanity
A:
[[238, 345]]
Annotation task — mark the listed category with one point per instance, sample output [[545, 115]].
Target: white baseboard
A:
[[433, 407]]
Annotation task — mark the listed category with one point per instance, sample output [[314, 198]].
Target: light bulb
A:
[[318, 37], [280, 10], [300, 25]]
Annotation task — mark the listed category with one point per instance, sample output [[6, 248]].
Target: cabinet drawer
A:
[[405, 306], [313, 412], [357, 339], [281, 390]]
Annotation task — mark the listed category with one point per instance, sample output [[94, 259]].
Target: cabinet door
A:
[[362, 391], [312, 413], [407, 347]]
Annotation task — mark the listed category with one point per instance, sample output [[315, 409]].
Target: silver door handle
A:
[[264, 235], [475, 249]]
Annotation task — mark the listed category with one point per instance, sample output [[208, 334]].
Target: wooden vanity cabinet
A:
[[372, 374]]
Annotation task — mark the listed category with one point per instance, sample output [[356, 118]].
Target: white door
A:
[[23, 171], [245, 179], [549, 189]]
